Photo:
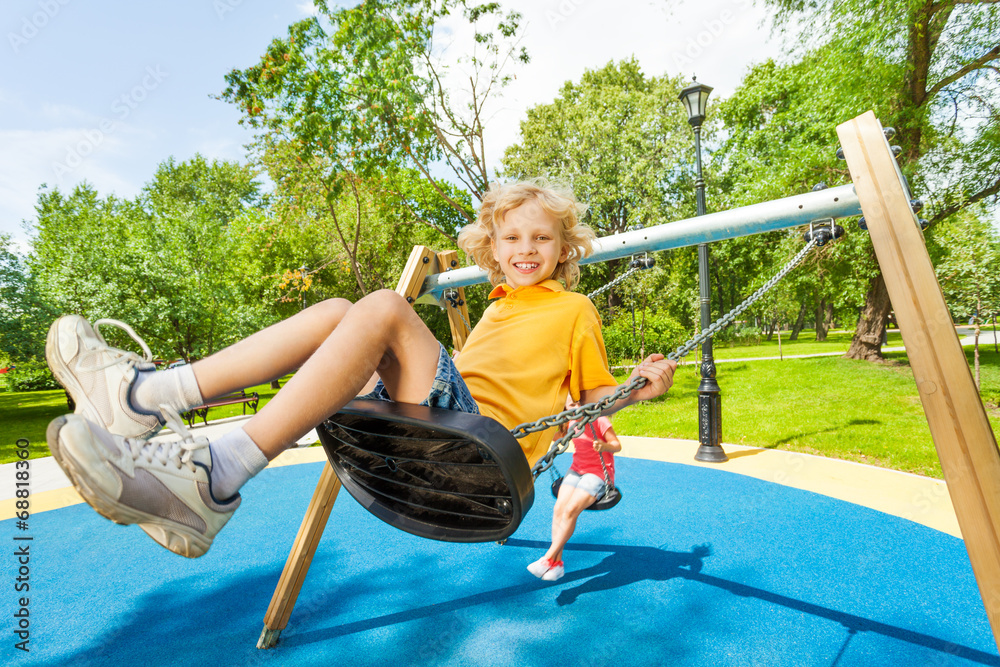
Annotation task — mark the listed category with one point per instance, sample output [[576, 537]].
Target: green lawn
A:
[[826, 405]]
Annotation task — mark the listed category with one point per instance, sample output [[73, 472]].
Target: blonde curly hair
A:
[[477, 239]]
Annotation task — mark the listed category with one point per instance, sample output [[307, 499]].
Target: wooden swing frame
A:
[[959, 427]]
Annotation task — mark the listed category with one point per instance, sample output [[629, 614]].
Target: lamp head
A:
[[695, 99]]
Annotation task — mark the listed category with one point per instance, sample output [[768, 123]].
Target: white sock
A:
[[235, 459], [176, 387]]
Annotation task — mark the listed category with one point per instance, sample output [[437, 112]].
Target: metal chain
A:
[[614, 283], [589, 412], [452, 297]]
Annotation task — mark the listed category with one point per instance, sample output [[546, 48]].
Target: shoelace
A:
[[177, 452], [117, 356]]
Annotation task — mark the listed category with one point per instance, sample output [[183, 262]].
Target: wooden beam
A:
[[961, 431], [422, 259], [458, 314]]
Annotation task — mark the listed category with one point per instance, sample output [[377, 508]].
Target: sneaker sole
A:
[[166, 534], [60, 369]]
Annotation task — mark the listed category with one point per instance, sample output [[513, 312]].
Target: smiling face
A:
[[528, 245]]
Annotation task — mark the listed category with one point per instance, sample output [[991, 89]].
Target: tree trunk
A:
[[975, 353], [799, 323], [867, 342], [821, 321]]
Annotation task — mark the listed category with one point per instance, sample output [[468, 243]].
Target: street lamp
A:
[[695, 99], [303, 272]]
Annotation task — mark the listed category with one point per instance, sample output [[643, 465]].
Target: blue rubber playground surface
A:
[[695, 567]]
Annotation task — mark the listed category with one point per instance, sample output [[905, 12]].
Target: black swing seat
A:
[[610, 498], [435, 473]]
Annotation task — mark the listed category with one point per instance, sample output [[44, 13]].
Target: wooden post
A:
[[458, 315], [300, 557], [961, 431], [296, 567]]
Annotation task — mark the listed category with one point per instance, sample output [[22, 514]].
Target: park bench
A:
[[229, 399]]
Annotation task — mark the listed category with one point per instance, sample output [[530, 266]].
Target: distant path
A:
[[789, 356], [966, 333]]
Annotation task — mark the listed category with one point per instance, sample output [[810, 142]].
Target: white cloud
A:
[[307, 8]]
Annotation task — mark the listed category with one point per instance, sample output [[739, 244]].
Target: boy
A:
[[517, 366]]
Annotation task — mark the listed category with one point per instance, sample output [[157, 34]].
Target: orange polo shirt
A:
[[530, 347]]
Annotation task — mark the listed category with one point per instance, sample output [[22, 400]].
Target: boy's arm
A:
[[659, 374]]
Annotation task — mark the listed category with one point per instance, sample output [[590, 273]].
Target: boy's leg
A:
[[382, 333], [169, 488], [120, 391], [270, 353]]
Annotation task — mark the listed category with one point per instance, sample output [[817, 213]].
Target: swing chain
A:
[[636, 265], [451, 296], [589, 412], [728, 318]]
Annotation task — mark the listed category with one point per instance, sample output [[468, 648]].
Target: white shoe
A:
[[556, 571], [165, 487], [546, 570], [100, 377]]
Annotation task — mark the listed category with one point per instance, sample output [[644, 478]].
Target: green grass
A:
[[829, 406], [27, 415]]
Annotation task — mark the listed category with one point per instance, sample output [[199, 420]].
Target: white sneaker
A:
[[546, 570], [99, 377], [165, 487], [556, 571]]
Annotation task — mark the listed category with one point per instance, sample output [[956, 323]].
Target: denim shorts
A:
[[588, 482], [448, 391]]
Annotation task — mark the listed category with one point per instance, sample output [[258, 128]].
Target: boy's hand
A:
[[659, 374]]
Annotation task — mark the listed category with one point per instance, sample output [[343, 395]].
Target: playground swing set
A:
[[459, 477]]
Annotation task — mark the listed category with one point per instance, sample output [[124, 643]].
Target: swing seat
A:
[[605, 502], [439, 474]]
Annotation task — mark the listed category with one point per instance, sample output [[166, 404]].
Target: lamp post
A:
[[695, 100], [303, 272]]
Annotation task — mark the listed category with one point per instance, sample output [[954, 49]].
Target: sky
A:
[[105, 92]]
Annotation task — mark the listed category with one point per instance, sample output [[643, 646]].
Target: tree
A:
[[937, 64], [781, 141], [361, 91], [24, 320], [967, 257], [364, 232], [186, 263]]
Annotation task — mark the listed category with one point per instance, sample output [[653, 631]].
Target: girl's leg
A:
[[569, 505]]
